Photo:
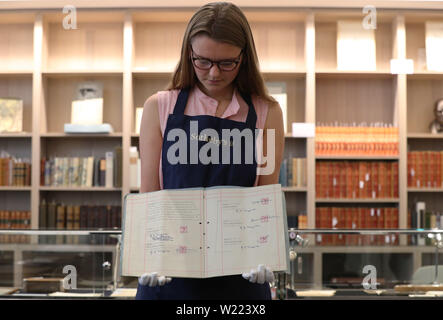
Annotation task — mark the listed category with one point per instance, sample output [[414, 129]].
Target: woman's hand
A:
[[153, 280], [260, 275]]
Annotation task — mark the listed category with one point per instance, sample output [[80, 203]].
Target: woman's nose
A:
[[214, 70]]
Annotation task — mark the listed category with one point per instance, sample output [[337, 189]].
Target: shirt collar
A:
[[206, 100]]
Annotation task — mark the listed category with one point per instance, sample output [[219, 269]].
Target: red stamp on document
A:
[[263, 239], [182, 249], [264, 201], [264, 219], [183, 229]]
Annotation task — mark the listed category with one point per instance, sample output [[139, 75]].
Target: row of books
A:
[[61, 216], [83, 171], [293, 172], [298, 221], [14, 220], [378, 139], [419, 217], [14, 172], [356, 179], [356, 218], [425, 169]]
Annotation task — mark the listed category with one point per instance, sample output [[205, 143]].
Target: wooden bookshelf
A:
[[127, 50], [133, 52], [425, 189], [356, 157], [370, 200]]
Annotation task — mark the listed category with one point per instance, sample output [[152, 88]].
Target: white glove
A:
[[260, 275], [153, 280]]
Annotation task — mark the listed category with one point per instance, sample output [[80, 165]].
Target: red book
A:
[[355, 180], [328, 225], [361, 180], [380, 224], [330, 190], [348, 169], [324, 178], [374, 180], [419, 173], [394, 223], [427, 169], [389, 180], [382, 179], [361, 224], [395, 182], [435, 162], [336, 179], [341, 225], [348, 225], [334, 224], [318, 221], [356, 224], [372, 212], [439, 169], [342, 182], [388, 225], [317, 180]]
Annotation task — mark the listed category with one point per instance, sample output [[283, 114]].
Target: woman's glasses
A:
[[223, 65]]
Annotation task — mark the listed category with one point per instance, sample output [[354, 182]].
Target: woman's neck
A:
[[224, 95]]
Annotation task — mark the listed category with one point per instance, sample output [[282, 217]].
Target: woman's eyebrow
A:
[[227, 59]]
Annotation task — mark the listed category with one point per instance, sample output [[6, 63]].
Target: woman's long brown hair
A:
[[224, 22]]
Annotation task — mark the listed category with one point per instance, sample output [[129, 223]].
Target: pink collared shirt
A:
[[201, 104]]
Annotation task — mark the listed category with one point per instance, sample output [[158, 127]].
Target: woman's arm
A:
[[274, 120], [150, 146]]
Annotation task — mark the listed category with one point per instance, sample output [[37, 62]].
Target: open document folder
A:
[[205, 232]]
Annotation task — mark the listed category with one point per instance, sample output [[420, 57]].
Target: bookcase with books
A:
[[425, 149], [369, 121], [16, 67]]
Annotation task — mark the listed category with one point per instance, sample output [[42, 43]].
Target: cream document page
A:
[[204, 232]]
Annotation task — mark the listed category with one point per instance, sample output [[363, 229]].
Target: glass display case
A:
[[43, 263], [324, 264], [333, 263]]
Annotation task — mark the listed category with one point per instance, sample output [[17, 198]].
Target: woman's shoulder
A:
[[264, 109]]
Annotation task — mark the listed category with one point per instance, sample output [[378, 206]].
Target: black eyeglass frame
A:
[[236, 61]]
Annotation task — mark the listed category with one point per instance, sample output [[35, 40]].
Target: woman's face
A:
[[215, 80]]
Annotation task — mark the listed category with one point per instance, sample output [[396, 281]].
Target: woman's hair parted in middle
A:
[[223, 22]]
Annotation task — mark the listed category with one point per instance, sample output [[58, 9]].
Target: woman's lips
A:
[[214, 81]]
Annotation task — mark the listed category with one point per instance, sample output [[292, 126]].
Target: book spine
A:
[[102, 174]]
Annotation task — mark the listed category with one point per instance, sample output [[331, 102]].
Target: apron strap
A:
[[180, 105], [251, 119]]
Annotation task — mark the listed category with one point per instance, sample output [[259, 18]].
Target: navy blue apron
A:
[[176, 176]]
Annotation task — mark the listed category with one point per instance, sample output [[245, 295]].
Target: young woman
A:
[[218, 84]]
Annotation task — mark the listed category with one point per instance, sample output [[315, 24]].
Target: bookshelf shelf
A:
[[80, 135], [83, 189], [425, 136], [368, 249], [339, 74], [78, 72], [298, 74], [289, 136], [6, 188], [294, 189], [356, 157], [15, 135], [370, 200], [425, 189], [27, 72]]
